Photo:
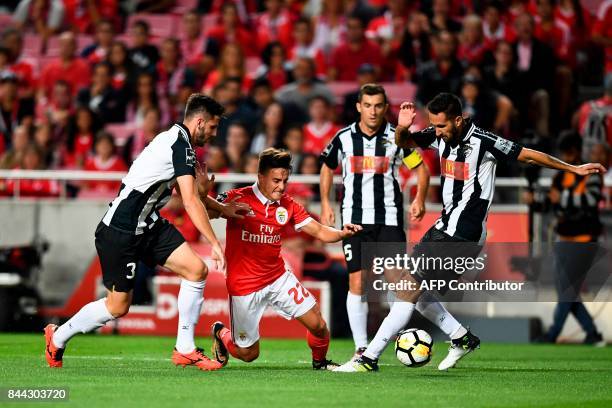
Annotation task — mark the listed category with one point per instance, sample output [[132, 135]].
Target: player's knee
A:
[[319, 329], [249, 355], [118, 309], [197, 272]]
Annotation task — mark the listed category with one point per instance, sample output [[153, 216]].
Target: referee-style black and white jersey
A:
[[148, 185], [467, 174], [369, 174]]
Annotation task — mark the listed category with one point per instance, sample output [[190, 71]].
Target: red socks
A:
[[318, 345], [226, 338]]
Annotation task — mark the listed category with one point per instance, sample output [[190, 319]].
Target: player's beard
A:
[[200, 138]]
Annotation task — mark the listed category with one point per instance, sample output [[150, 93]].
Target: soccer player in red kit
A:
[[257, 276]]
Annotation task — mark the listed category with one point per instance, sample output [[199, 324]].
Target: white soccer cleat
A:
[[361, 365], [458, 349]]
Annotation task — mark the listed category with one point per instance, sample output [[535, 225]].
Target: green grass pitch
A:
[[113, 371]]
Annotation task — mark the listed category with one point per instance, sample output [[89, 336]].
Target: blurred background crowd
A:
[[88, 84]]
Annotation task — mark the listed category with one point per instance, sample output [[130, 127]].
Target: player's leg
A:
[[241, 340], [356, 308], [318, 338], [434, 311], [118, 256]]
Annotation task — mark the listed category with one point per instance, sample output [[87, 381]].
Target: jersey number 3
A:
[[297, 297], [132, 266]]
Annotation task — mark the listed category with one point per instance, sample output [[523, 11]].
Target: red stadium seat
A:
[[252, 64], [6, 20], [121, 132], [52, 46], [183, 6], [398, 92], [83, 41], [162, 25], [340, 88], [32, 45]]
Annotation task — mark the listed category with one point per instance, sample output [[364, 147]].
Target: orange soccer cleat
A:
[[197, 358], [53, 354]]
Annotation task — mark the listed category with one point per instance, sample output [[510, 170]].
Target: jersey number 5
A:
[[297, 298]]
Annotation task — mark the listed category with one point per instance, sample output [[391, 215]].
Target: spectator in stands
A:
[[57, 110], [232, 64], [144, 98], [261, 96], [305, 46], [45, 16], [199, 51], [303, 88], [293, 141], [602, 32], [244, 8], [66, 67], [105, 102], [44, 142], [123, 72], [494, 28], [535, 62], [79, 143], [14, 111], [32, 159], [273, 68], [238, 142], [441, 19], [170, 70], [82, 15], [143, 54], [380, 29], [320, 130], [143, 135], [20, 139], [232, 31], [12, 40], [353, 52], [275, 24], [103, 39], [474, 48], [415, 47], [218, 163], [491, 110], [366, 74], [593, 120], [271, 128], [228, 93], [309, 165], [443, 73], [105, 158], [502, 76], [330, 26]]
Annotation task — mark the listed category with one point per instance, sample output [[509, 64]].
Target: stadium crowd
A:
[[88, 84]]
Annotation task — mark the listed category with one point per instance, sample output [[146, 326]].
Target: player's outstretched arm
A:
[[330, 234], [215, 209], [326, 179], [417, 207], [531, 156], [405, 119], [197, 212]]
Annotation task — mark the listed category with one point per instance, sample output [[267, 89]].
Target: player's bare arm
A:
[[405, 119], [417, 207], [330, 234], [231, 209], [197, 212], [326, 179], [531, 156]]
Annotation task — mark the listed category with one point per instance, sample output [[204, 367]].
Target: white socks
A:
[[91, 316], [358, 319], [396, 320], [436, 313], [190, 300]]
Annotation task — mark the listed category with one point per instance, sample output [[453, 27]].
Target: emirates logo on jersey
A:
[[282, 216], [454, 170]]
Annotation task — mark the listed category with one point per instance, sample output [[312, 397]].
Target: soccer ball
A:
[[413, 347]]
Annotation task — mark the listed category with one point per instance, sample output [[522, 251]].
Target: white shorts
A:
[[286, 296]]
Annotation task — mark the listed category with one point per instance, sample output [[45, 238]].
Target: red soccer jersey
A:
[[316, 139], [253, 244]]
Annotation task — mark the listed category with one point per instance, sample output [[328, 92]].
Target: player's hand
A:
[[589, 168], [234, 209], [349, 230], [328, 217], [205, 184], [417, 210], [219, 257], [406, 115]]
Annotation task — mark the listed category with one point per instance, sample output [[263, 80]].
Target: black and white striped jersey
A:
[[148, 185], [370, 164], [467, 175]]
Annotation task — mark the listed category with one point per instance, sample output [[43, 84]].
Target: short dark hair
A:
[[446, 103], [570, 141], [372, 89], [200, 103], [272, 158], [143, 24]]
